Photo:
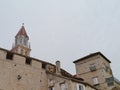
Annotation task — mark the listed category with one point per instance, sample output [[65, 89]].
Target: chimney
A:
[[58, 71]]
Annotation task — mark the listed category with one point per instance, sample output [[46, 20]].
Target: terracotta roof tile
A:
[[22, 31]]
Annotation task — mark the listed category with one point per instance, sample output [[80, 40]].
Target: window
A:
[[95, 81], [20, 40], [110, 81], [92, 67], [43, 65], [25, 41], [9, 56], [63, 87], [28, 61], [80, 87], [51, 88]]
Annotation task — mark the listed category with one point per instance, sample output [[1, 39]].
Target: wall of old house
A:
[[15, 74], [83, 71], [56, 81]]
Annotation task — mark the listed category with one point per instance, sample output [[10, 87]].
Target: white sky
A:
[[64, 30]]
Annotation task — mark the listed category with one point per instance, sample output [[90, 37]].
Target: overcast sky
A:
[[64, 30]]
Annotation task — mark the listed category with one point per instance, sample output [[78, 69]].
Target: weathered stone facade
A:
[[16, 75], [19, 72], [95, 69]]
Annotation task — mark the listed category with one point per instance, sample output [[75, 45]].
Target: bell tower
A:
[[21, 45]]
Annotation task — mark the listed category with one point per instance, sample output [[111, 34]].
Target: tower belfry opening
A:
[[22, 45]]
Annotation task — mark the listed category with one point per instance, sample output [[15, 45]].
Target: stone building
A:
[[19, 71], [62, 80], [95, 69]]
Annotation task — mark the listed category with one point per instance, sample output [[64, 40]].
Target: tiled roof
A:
[[22, 31]]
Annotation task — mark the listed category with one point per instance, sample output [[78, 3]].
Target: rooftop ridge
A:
[[90, 55]]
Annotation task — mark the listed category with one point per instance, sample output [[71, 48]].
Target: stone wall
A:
[[16, 74]]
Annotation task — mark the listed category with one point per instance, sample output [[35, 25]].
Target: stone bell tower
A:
[[21, 45]]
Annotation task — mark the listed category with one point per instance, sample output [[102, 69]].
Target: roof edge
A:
[[93, 54]]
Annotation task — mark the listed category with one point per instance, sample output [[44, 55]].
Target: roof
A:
[[22, 31], [91, 55]]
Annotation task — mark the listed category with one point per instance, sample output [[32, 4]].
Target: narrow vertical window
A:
[[28, 61], [63, 87], [95, 80], [80, 87], [20, 40], [24, 42], [43, 65]]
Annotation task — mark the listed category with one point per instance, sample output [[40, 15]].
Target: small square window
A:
[[28, 61], [92, 67], [9, 56], [110, 81]]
